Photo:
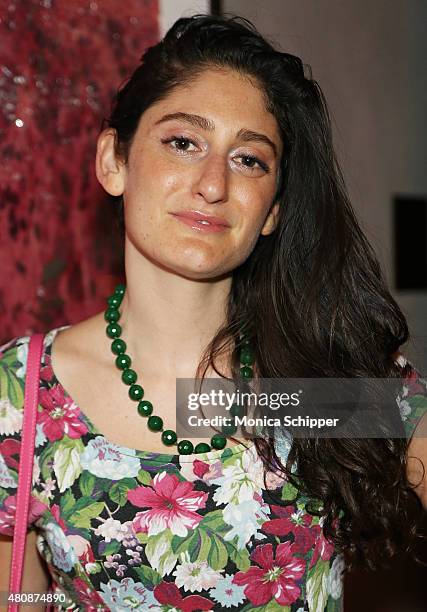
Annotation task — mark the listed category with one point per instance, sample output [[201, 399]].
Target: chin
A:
[[198, 271]]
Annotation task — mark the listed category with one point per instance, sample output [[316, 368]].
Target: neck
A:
[[169, 319]]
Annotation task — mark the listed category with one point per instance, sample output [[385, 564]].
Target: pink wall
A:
[[60, 64]]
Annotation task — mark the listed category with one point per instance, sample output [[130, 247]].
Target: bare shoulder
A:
[[417, 460], [81, 341]]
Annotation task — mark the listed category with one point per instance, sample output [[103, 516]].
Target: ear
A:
[[110, 171], [271, 221]]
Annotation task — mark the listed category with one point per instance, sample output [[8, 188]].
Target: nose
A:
[[211, 182]]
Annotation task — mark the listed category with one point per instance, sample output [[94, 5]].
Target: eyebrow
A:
[[209, 126]]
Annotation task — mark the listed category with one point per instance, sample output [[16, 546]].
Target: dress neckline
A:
[[149, 456]]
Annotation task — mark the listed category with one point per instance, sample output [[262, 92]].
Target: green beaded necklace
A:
[[136, 392]]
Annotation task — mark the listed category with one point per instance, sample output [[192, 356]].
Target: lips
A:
[[202, 219]]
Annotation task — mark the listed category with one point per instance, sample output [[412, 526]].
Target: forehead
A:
[[227, 98]]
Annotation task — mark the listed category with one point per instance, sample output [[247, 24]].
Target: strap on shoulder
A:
[[25, 464]]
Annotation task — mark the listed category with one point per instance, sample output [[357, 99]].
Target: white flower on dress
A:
[[245, 520], [335, 578], [6, 479], [10, 418], [241, 480], [195, 576], [48, 487], [228, 594], [107, 460], [111, 529], [36, 470], [63, 555], [40, 436], [22, 356], [405, 409]]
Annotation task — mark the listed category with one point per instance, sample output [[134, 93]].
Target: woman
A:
[[242, 254]]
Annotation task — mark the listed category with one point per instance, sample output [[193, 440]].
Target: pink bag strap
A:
[[25, 464]]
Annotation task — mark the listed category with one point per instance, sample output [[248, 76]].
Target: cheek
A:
[[255, 206]]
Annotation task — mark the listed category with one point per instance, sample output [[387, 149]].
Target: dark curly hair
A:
[[311, 295]]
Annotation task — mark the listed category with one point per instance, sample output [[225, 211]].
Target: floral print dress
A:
[[125, 529]]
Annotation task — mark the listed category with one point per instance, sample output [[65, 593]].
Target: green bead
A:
[[120, 289], [136, 392], [236, 410], [145, 408], [245, 341], [111, 315], [155, 423], [114, 301], [202, 447], [114, 330], [246, 372], [118, 346], [129, 377], [247, 356], [218, 441], [123, 361], [229, 430], [185, 447], [169, 437]]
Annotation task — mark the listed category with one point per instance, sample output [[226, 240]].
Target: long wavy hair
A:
[[311, 295]]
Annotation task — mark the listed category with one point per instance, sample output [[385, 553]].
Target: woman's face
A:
[[208, 152]]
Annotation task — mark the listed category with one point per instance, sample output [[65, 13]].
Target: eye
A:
[[181, 143], [249, 162]]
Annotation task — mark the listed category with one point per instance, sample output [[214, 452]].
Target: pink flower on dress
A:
[[46, 371], [7, 514], [323, 549], [207, 471], [294, 521], [174, 505], [8, 448], [412, 381], [60, 415], [56, 513], [88, 595], [167, 593], [275, 578]]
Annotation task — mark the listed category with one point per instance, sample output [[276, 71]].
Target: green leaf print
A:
[[82, 516], [214, 521], [418, 401], [66, 462], [199, 546], [86, 483], [180, 544], [11, 387], [240, 557], [119, 491], [46, 459], [272, 606], [207, 543], [317, 593], [149, 577], [111, 548], [3, 495], [144, 477], [159, 553], [289, 492], [197, 543], [67, 502], [218, 555], [142, 537], [334, 605]]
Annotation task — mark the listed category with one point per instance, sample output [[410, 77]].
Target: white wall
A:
[[369, 59], [171, 10]]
